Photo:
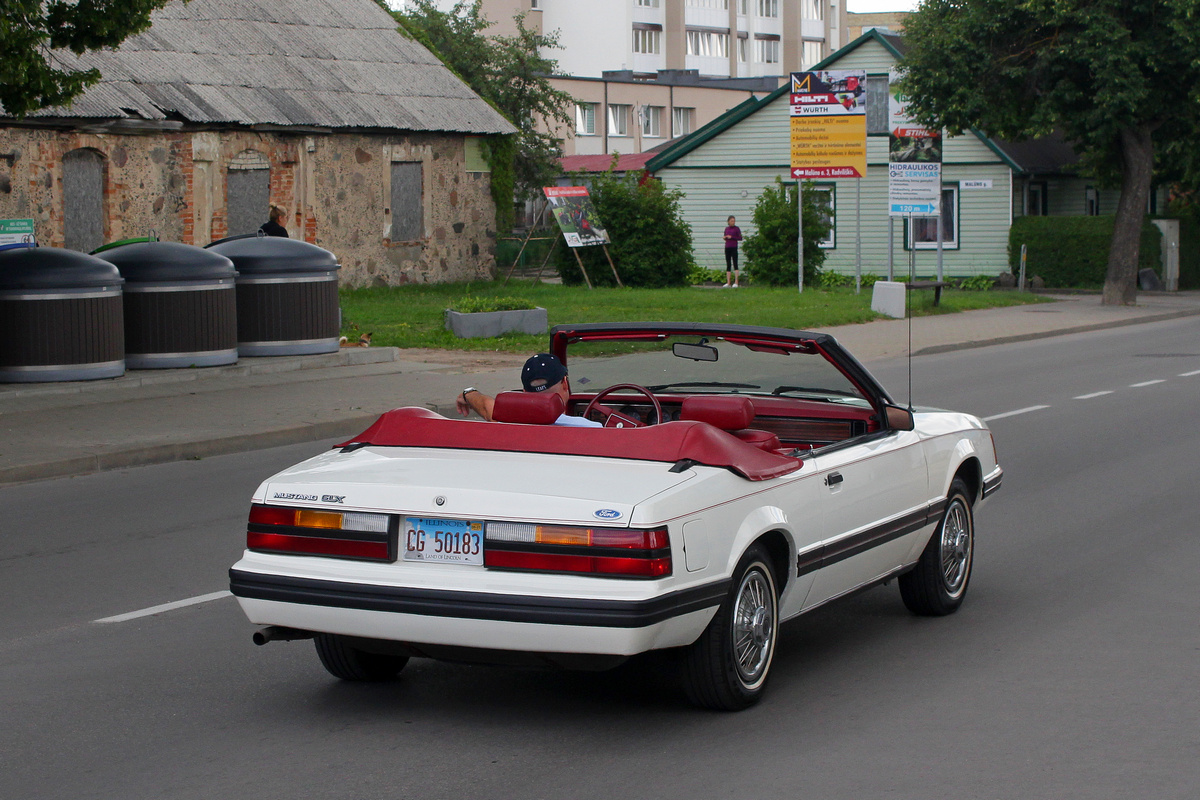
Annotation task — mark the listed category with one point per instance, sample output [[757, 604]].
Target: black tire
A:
[[727, 667], [937, 585], [351, 664]]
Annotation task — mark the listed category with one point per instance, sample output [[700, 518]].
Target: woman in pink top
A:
[[733, 235]]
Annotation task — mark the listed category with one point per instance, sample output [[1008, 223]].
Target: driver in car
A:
[[542, 373]]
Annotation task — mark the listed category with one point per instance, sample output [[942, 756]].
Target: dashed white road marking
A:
[[1014, 413], [146, 612], [1093, 394], [1189, 374], [1146, 383]]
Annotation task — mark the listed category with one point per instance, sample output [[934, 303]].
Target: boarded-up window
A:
[[408, 201], [247, 192], [83, 200]]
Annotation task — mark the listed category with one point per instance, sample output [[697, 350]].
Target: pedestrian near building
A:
[[733, 235], [274, 225]]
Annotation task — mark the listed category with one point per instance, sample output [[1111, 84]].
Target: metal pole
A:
[[799, 238], [1021, 282], [891, 247], [858, 235], [939, 243]]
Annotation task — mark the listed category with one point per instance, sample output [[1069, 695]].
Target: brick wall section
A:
[[335, 188]]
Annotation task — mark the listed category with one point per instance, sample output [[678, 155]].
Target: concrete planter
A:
[[484, 324]]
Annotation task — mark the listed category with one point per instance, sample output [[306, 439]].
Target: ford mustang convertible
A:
[[742, 477]]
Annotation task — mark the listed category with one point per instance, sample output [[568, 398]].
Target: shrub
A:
[[978, 283], [771, 249], [474, 305], [651, 244], [1072, 252], [698, 275]]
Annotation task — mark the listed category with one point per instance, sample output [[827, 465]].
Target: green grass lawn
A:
[[412, 316]]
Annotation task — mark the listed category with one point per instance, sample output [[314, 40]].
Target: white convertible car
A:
[[743, 476]]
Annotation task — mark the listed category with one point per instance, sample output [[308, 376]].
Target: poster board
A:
[[828, 117], [575, 215], [914, 161]]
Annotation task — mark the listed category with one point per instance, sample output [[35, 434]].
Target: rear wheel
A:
[[727, 667], [349, 663], [937, 585]]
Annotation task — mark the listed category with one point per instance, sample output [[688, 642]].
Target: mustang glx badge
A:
[[312, 498], [606, 513]]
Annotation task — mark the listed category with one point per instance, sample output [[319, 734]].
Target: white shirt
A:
[[577, 422]]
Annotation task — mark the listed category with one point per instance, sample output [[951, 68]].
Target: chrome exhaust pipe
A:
[[278, 633]]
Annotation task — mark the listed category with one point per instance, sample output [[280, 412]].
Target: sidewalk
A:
[[52, 430]]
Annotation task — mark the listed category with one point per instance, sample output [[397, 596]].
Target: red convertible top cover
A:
[[669, 442]]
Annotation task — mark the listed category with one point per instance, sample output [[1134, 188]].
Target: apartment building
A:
[[647, 71]]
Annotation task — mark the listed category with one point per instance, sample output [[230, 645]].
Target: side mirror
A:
[[899, 419]]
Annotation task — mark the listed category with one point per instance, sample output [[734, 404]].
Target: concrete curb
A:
[[346, 357], [184, 451], [1027, 337]]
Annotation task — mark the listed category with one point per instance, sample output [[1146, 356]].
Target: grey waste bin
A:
[[60, 316], [180, 305], [287, 300]]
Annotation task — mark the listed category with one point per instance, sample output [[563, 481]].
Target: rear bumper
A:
[[527, 623]]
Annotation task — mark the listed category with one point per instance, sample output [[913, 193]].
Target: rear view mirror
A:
[[696, 352]]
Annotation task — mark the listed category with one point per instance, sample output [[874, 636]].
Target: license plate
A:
[[443, 541]]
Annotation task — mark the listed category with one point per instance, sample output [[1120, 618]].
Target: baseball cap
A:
[[541, 372]]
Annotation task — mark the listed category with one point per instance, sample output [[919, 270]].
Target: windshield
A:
[[728, 367]]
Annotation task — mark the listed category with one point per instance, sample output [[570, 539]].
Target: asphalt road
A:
[[1072, 670]]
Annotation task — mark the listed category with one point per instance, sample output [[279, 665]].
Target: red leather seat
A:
[[730, 413], [528, 408]]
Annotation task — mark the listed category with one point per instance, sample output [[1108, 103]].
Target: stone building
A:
[[226, 107]]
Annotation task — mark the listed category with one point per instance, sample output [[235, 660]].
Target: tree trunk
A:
[[1137, 166]]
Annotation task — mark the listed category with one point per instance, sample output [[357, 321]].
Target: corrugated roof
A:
[[323, 63]]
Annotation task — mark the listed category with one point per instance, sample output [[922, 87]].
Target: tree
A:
[[507, 71], [30, 78], [1119, 79], [651, 243], [771, 249]]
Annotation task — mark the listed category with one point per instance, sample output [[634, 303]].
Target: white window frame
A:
[[743, 50], [812, 51], [647, 3], [651, 120], [618, 119], [766, 51], [647, 42], [768, 9], [682, 119], [585, 119], [926, 227], [708, 44]]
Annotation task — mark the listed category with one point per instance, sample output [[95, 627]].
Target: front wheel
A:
[[727, 667], [937, 585], [349, 663]]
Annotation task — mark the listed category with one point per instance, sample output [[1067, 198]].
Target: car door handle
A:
[[833, 479]]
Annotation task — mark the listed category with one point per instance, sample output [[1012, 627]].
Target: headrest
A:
[[727, 412], [529, 408]]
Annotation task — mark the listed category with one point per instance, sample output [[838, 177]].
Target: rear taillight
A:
[[625, 552], [304, 531]]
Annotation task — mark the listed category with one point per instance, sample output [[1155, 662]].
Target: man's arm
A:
[[474, 400]]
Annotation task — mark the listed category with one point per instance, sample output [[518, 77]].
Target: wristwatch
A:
[[468, 389]]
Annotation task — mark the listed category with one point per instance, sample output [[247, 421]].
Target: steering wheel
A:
[[614, 418]]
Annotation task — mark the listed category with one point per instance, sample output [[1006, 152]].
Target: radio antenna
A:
[[912, 266]]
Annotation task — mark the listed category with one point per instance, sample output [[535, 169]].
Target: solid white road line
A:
[[1189, 374], [1093, 394], [1145, 383], [1014, 413], [146, 612]]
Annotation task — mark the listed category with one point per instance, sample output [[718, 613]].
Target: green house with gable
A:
[[723, 167]]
